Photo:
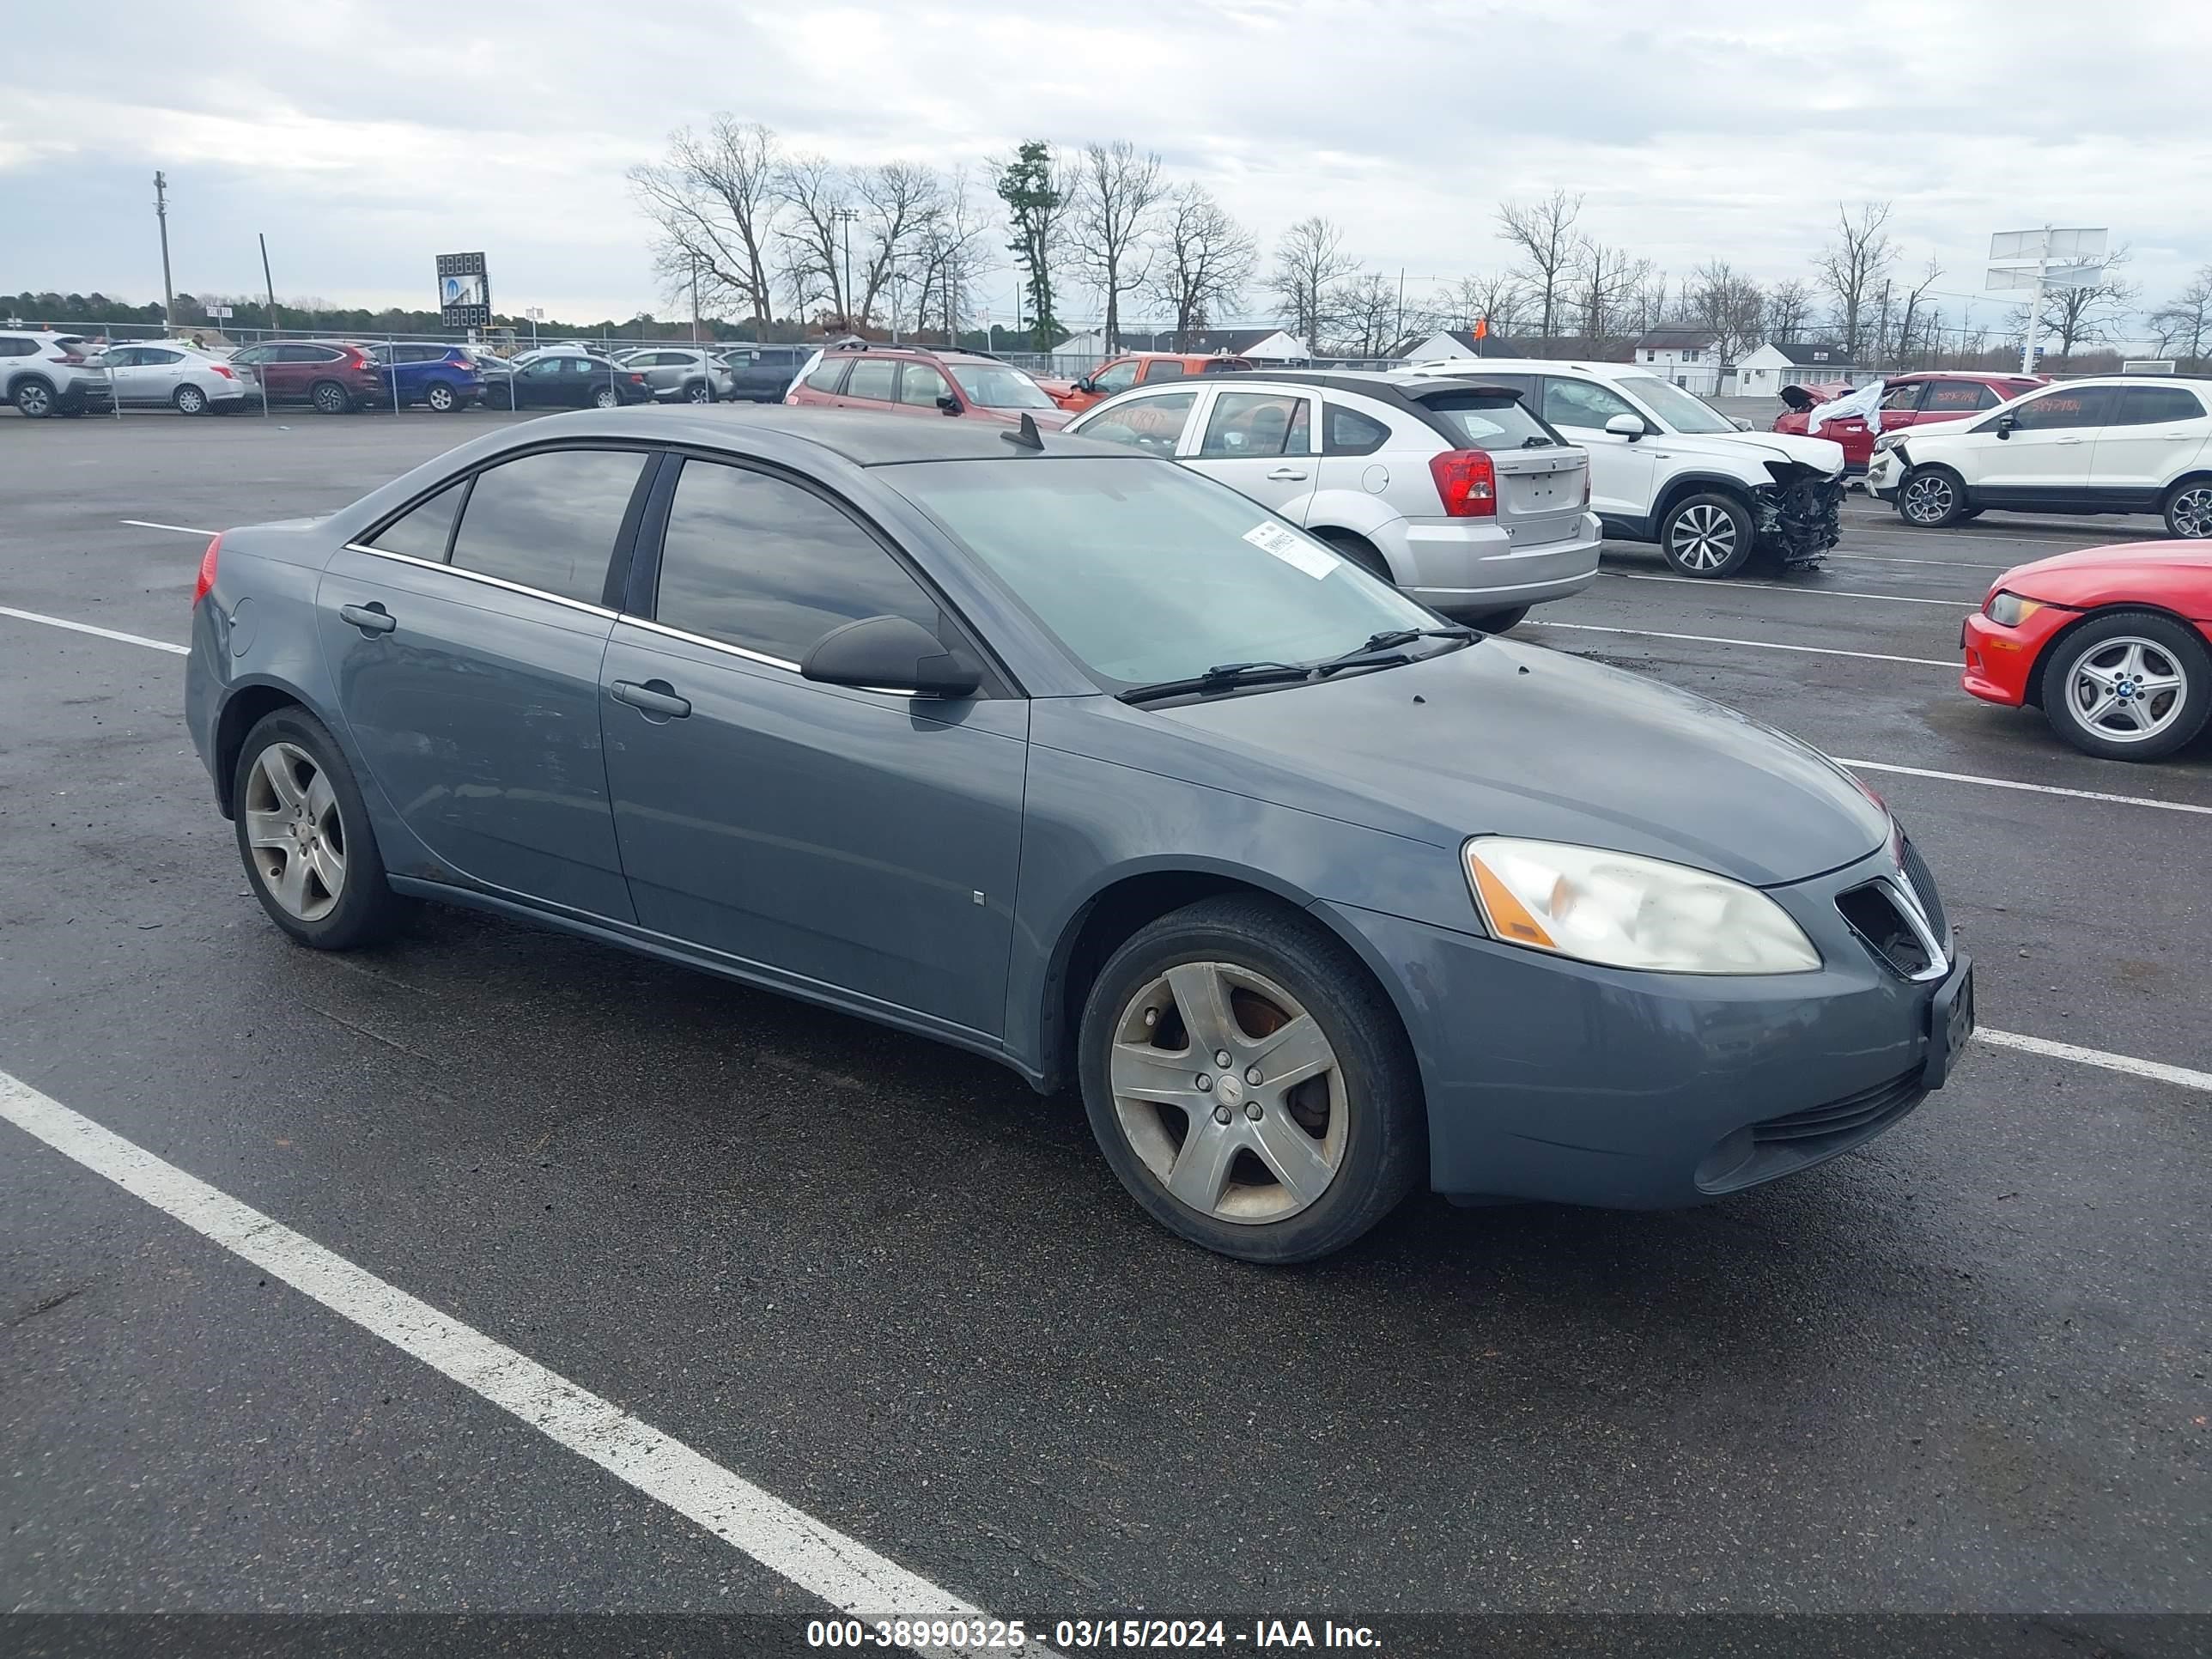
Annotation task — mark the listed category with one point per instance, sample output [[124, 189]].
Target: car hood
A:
[[1823, 455], [2176, 574], [1500, 738]]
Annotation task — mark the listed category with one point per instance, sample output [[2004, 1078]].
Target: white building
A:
[[1764, 372], [1690, 357]]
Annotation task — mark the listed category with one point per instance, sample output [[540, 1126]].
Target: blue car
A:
[[440, 377], [1067, 756]]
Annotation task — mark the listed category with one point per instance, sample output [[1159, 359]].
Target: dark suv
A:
[[336, 376], [764, 372]]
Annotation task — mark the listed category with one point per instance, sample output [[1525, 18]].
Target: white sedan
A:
[[170, 374]]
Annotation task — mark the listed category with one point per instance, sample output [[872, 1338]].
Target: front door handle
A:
[[1287, 473], [2069, 441], [369, 618], [654, 698]]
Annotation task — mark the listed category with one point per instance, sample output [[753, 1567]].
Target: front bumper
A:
[[1884, 472], [1799, 517], [1470, 565], [2001, 661], [1557, 1080]]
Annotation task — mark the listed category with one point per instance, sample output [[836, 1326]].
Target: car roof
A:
[[1404, 391], [855, 436]]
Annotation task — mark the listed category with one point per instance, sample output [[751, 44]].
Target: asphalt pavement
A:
[[1964, 1369]]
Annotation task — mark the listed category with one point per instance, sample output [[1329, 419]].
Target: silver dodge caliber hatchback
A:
[[1069, 755]]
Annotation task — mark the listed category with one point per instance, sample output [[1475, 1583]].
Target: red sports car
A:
[[1908, 400], [2114, 644]]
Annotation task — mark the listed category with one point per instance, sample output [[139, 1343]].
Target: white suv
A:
[[1449, 489], [45, 373], [1665, 467], [2116, 444]]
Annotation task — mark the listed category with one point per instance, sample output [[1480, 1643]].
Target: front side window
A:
[[545, 368], [1584, 404], [1902, 399], [2065, 406], [1163, 368], [1252, 423], [921, 385], [124, 356], [549, 520], [1117, 377], [999, 385], [1677, 408], [1147, 572], [758, 561], [2156, 406], [1151, 424], [426, 529], [872, 379]]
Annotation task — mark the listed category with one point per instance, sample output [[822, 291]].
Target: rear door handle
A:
[[654, 697], [369, 618], [1288, 472]]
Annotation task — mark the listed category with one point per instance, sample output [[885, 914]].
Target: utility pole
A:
[[695, 299], [844, 217], [168, 288], [269, 284]]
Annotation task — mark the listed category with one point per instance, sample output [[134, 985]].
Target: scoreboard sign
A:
[[464, 291]]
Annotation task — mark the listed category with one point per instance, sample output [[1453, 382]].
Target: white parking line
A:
[[1783, 587], [2032, 788], [1948, 564], [181, 529], [86, 628], [1756, 645], [816, 1557], [2180, 1076]]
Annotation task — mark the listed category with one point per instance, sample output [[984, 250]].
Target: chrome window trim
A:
[[484, 577], [712, 645]]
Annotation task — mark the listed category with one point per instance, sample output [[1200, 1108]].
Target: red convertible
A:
[[2114, 644]]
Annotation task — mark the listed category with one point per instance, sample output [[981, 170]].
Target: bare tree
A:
[[815, 234], [1365, 311], [1604, 276], [1646, 307], [1917, 312], [951, 258], [1205, 261], [2185, 320], [1721, 300], [898, 201], [2088, 316], [1117, 198], [1497, 299], [1852, 267], [1308, 261], [1544, 232], [1788, 310], [714, 208]]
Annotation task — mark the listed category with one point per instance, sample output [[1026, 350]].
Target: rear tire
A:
[[2188, 510], [331, 398], [1361, 551], [442, 397], [1498, 622], [1257, 1170], [606, 398], [2159, 671], [310, 853], [1707, 535], [190, 400], [1931, 498], [698, 392]]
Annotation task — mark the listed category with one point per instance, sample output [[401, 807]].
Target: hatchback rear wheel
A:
[[1249, 1084], [304, 834]]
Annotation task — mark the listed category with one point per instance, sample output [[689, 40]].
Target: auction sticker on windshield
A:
[[1291, 548]]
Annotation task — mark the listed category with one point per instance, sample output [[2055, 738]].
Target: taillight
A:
[[220, 370], [463, 361], [357, 360], [207, 571], [637, 379], [1585, 486], [1467, 479], [75, 359]]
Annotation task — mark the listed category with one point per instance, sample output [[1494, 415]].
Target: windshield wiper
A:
[[1222, 677], [1383, 649]]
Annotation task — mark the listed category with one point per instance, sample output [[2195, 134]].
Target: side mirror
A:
[[949, 403], [1083, 383], [1630, 427], [2005, 424], [890, 653], [1742, 425]]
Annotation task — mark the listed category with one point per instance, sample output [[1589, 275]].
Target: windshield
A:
[[1491, 420], [995, 385], [1147, 572], [1673, 405]]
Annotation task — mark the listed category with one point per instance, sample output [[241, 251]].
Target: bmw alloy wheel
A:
[[1228, 1091], [2128, 689], [1704, 538], [296, 837], [1930, 499]]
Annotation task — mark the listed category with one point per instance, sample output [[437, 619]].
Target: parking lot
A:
[[1965, 1370]]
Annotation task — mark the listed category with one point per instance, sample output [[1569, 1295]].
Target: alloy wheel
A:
[[604, 397], [697, 394], [2127, 689], [293, 830], [1704, 536], [1929, 500], [34, 400], [331, 399], [2191, 513], [1229, 1092], [439, 398]]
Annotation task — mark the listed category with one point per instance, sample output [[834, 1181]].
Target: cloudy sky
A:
[[365, 138]]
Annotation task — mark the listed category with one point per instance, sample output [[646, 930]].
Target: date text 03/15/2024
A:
[[1012, 1635]]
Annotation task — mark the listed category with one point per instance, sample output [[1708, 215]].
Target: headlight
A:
[[1629, 912], [2009, 610], [1888, 441]]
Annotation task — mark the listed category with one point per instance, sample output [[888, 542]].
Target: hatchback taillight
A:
[[63, 354], [1467, 480], [207, 571], [358, 359]]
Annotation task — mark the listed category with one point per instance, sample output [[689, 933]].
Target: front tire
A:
[[1708, 534], [2188, 510], [303, 831], [331, 398], [191, 400], [1932, 498], [33, 400], [2128, 685], [1314, 1130], [698, 392]]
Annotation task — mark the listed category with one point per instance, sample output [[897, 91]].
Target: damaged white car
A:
[[1668, 468]]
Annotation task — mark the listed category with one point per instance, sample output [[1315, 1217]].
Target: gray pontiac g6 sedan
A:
[[1067, 756]]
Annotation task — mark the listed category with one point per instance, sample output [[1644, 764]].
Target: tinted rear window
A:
[[2149, 405], [1489, 421], [549, 521], [423, 531]]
